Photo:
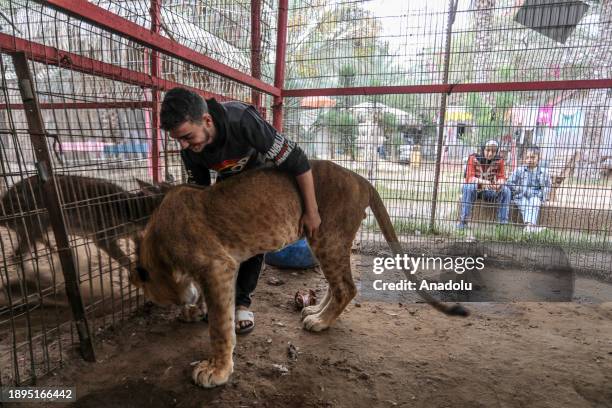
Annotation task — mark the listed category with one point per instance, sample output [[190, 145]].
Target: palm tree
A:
[[597, 98], [483, 63], [322, 38], [482, 47]]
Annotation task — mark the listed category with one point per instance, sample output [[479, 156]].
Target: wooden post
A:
[[256, 50], [452, 9], [52, 202]]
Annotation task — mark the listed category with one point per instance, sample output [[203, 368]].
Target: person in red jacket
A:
[[485, 178]]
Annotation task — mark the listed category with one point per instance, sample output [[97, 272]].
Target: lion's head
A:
[[161, 283]]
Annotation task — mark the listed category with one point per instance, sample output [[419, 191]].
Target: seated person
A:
[[530, 185], [485, 178]]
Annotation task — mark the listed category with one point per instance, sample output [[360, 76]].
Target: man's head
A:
[[490, 149], [532, 157], [184, 114]]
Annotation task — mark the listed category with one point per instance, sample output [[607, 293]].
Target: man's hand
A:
[[497, 186], [310, 222], [486, 184]]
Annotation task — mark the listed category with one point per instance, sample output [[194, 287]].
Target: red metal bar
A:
[[279, 72], [155, 12], [83, 105], [454, 88], [256, 49], [53, 56], [99, 17]]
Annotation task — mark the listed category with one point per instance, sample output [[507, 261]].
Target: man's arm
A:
[[310, 219], [500, 177], [287, 156], [513, 183], [283, 152], [470, 173]]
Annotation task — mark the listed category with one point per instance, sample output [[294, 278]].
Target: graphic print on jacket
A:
[[231, 166]]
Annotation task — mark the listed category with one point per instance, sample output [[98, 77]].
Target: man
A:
[[230, 138], [485, 178], [530, 185]]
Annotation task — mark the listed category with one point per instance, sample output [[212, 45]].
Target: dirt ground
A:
[[376, 355]]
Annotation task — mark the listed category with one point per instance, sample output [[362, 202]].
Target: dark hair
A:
[[534, 149], [181, 105]]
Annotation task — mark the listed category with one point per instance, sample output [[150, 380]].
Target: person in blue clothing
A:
[[530, 185], [229, 138]]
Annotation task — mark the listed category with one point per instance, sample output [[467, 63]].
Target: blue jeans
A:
[[470, 193], [530, 208]]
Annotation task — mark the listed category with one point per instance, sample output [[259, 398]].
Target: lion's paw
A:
[[191, 313], [310, 310], [314, 323], [209, 374]]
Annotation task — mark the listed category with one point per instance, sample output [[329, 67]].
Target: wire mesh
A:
[[99, 97], [393, 141], [418, 165], [100, 125], [392, 42]]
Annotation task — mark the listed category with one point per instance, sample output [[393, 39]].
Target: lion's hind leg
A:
[[336, 266], [310, 310]]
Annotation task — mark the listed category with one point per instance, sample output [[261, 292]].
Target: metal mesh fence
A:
[[393, 141], [391, 42], [98, 99], [370, 82], [99, 82]]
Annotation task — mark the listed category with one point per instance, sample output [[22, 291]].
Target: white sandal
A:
[[244, 316]]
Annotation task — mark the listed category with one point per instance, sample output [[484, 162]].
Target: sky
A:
[[425, 20], [411, 25]]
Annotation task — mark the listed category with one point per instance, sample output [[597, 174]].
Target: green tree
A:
[[324, 38], [342, 126], [347, 80]]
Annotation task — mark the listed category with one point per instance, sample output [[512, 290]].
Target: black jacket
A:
[[244, 141]]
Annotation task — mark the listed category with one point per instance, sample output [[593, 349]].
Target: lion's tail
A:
[[384, 221]]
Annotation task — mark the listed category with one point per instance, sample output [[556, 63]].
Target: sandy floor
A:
[[377, 355]]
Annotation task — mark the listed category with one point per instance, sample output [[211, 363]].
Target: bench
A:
[[551, 216]]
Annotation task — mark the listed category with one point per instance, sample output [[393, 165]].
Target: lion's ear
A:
[[164, 187], [143, 274], [143, 185]]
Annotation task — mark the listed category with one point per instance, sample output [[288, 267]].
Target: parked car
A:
[[405, 152], [405, 149]]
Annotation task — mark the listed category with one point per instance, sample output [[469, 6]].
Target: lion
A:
[[198, 236], [92, 207]]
